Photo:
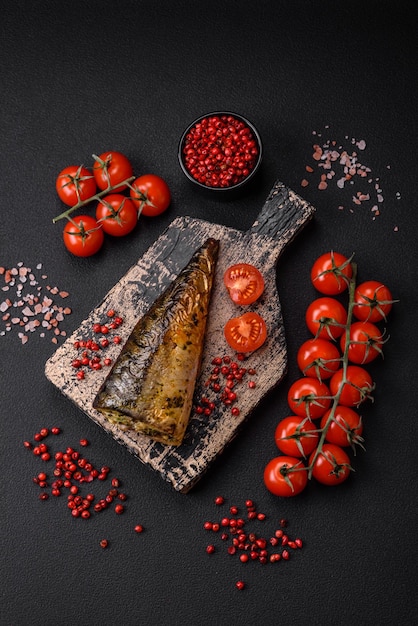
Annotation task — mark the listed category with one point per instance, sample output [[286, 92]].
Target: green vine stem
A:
[[336, 398], [97, 197]]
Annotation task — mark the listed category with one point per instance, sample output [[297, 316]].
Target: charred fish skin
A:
[[151, 384]]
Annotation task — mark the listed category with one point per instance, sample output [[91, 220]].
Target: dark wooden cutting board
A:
[[281, 218]]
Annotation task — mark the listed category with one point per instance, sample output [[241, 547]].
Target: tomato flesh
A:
[[246, 333], [244, 283]]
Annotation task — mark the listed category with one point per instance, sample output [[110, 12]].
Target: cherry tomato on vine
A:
[[74, 184], [318, 358], [357, 387], [296, 436], [150, 194], [372, 301], [285, 476], [326, 318], [111, 168], [117, 215], [332, 465], [366, 343], [309, 397], [331, 273], [246, 333], [244, 283], [83, 236], [346, 426]]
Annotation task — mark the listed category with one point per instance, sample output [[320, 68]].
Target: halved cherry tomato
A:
[[318, 358], [150, 195], [346, 426], [309, 397], [372, 301], [356, 388], [74, 184], [296, 436], [366, 343], [331, 272], [285, 476], [83, 236], [326, 318], [332, 465], [244, 283], [111, 168], [117, 215], [246, 333]]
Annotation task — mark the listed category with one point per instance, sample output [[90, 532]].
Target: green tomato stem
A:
[[97, 197]]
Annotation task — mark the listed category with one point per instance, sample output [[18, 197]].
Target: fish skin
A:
[[151, 384]]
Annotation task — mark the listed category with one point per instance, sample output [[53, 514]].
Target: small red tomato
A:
[[366, 343], [331, 273], [372, 301], [309, 397], [117, 215], [318, 358], [332, 465], [83, 236], [150, 195], [355, 388], [244, 283], [74, 184], [285, 476], [326, 318], [345, 428], [111, 168], [296, 436], [246, 333]]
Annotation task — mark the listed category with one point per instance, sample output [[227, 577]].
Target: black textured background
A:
[[83, 77]]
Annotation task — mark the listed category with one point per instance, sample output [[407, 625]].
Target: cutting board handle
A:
[[283, 214]]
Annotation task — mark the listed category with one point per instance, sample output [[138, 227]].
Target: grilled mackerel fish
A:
[[151, 384]]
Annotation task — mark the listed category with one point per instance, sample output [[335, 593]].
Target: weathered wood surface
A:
[[281, 218]]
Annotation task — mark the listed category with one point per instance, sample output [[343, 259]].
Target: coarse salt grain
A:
[[342, 164], [31, 311]]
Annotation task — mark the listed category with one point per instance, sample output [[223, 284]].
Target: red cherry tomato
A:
[[285, 476], [366, 343], [150, 195], [372, 301], [74, 184], [332, 465], [318, 358], [331, 273], [346, 426], [326, 318], [296, 436], [117, 215], [309, 397], [111, 168], [83, 236], [246, 333], [244, 283], [357, 387]]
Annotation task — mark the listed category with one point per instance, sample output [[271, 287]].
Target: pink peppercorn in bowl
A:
[[220, 152]]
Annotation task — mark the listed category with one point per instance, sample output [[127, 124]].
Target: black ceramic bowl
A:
[[220, 152]]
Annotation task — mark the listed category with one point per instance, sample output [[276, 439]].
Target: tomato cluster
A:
[[117, 211], [315, 440], [245, 284]]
